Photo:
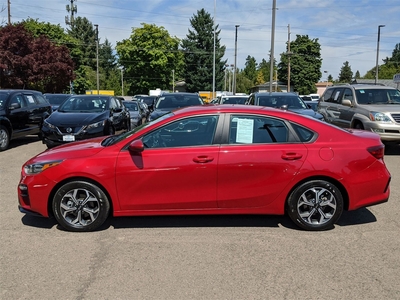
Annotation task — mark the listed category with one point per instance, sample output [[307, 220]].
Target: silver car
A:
[[374, 108]]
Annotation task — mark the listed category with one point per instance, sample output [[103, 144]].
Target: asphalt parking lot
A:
[[197, 257]]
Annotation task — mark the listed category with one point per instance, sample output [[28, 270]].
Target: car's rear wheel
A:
[[315, 205], [80, 206], [4, 138]]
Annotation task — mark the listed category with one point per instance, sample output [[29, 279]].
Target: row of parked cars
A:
[[63, 118]]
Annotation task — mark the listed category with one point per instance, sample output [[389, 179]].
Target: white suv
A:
[[371, 107]]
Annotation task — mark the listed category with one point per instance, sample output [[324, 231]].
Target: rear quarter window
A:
[[304, 134]]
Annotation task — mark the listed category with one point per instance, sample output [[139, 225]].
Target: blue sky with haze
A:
[[346, 30]]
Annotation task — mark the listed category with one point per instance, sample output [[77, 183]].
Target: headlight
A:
[[47, 124], [96, 125], [39, 167], [379, 117]]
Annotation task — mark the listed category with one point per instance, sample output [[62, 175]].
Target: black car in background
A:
[[170, 101], [56, 99], [22, 113], [137, 114], [85, 116], [149, 100], [286, 101]]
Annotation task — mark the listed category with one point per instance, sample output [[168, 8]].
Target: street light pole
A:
[[97, 57], [122, 81], [234, 71], [377, 53], [326, 78]]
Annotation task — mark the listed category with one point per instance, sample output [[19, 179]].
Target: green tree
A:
[[357, 76], [107, 58], [346, 74], [250, 70], [305, 64], [330, 78], [263, 71], [390, 67], [198, 47], [85, 34], [149, 57]]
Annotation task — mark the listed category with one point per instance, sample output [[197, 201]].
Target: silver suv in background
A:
[[374, 108]]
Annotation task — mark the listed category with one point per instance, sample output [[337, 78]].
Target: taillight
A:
[[377, 151]]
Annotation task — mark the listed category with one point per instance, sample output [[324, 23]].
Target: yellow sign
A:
[[101, 92]]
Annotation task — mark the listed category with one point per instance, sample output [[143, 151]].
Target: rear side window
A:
[[304, 134], [41, 99]]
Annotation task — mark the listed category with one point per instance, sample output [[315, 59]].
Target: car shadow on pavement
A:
[[360, 216], [23, 141], [38, 222], [356, 217], [392, 149]]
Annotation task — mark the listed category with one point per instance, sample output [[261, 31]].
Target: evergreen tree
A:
[[84, 32], [263, 71], [357, 76], [250, 70], [346, 75], [198, 47], [305, 65]]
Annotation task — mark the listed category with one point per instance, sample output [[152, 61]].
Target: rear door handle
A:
[[203, 159], [292, 156]]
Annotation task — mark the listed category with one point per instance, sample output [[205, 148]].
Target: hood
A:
[[159, 112], [308, 112], [387, 107], [58, 118], [79, 149]]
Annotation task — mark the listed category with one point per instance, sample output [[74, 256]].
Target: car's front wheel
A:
[[315, 205], [80, 206], [4, 138]]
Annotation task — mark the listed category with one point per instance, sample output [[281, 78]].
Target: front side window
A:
[[257, 130], [194, 131], [347, 95], [18, 99]]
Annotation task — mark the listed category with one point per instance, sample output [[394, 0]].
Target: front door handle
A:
[[203, 159]]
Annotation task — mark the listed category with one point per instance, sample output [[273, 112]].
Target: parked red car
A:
[[226, 159]]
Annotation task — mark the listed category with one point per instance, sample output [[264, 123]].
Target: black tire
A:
[[4, 138], [359, 125], [315, 205], [80, 206], [110, 130]]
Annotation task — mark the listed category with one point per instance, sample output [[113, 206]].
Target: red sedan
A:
[[230, 159]]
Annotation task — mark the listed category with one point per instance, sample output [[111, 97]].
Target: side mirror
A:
[[136, 147], [14, 106], [346, 102]]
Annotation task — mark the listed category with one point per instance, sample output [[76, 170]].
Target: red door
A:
[[168, 178]]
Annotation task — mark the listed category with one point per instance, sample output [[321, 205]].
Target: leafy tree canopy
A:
[[29, 62], [346, 74], [148, 57]]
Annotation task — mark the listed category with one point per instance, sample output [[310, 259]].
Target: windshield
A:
[[233, 100], [3, 97], [378, 96], [148, 100], [111, 140], [175, 101], [56, 99], [131, 105], [84, 104], [292, 102]]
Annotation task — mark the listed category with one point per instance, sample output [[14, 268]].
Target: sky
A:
[[346, 30]]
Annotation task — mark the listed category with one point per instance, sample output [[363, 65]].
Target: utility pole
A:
[[9, 12], [72, 9], [173, 81], [271, 71], [97, 57], [288, 54], [234, 71]]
